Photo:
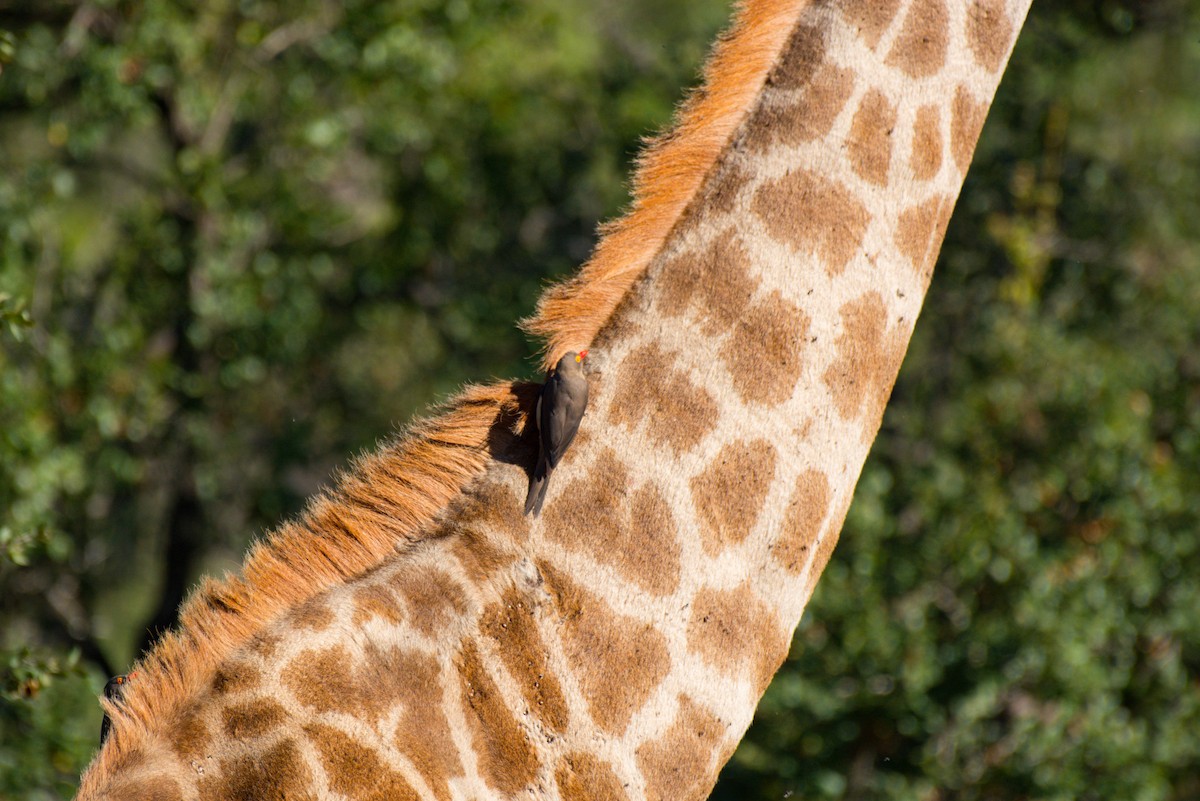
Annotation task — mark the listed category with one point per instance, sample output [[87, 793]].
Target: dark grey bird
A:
[[113, 690], [560, 407]]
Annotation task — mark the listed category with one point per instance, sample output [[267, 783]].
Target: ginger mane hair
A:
[[390, 498]]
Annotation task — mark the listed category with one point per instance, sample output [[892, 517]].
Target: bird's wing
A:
[[560, 422]]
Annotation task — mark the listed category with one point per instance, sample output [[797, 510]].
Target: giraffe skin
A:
[[616, 646]]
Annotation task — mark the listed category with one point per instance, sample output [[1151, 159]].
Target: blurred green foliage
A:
[[240, 240]]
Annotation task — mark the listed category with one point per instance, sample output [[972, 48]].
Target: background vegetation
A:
[[241, 240]]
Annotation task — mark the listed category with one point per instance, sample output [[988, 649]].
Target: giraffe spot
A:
[[802, 57], [600, 644], [926, 157], [989, 33], [715, 283], [807, 119], [920, 48], [966, 121], [157, 788], [375, 601], [252, 718], [235, 677], [870, 145], [583, 777], [919, 233], [870, 18], [729, 494], [802, 521], [276, 774], [507, 759], [635, 535], [435, 601], [723, 191], [314, 615], [494, 506], [813, 214], [680, 765], [677, 412], [511, 624], [264, 644], [868, 358], [763, 352], [189, 736], [354, 770], [647, 551], [423, 733], [735, 632], [480, 555], [833, 529], [322, 680]]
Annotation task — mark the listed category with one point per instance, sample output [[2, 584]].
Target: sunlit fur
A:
[[390, 496]]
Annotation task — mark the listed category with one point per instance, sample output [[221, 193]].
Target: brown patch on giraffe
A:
[[763, 352], [354, 770], [190, 736], [314, 615], [275, 774], [235, 677], [868, 358], [966, 121], [715, 282], [920, 49], [919, 233], [718, 195], [728, 495], [870, 17], [722, 192], [635, 535], [252, 718], [800, 59], [832, 530], [507, 759], [735, 632], [807, 211], [679, 764], [808, 118], [583, 777], [599, 644], [989, 33], [435, 601], [870, 144], [511, 624], [802, 521], [926, 157], [678, 413], [322, 680], [493, 505], [649, 549], [480, 555], [156, 788], [376, 601], [423, 733], [264, 644]]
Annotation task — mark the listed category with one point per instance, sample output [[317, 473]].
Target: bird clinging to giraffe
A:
[[559, 411], [414, 635]]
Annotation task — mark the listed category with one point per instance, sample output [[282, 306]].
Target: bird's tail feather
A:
[[537, 493]]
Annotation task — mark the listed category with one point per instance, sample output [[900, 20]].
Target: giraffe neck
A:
[[616, 646]]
